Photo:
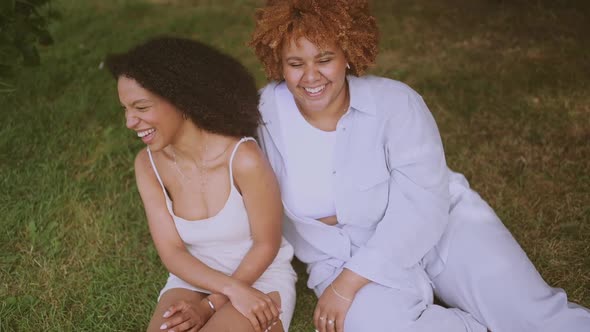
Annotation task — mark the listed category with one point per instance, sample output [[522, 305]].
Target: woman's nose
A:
[[311, 74], [131, 121]]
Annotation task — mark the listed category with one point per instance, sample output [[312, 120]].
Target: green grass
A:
[[506, 80]]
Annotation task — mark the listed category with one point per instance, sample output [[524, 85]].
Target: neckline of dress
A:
[[232, 191]]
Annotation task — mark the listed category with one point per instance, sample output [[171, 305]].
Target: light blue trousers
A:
[[488, 282], [489, 275]]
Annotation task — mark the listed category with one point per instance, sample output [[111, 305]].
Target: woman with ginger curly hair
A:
[[212, 201], [371, 206]]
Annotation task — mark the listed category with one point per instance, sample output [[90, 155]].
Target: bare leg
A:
[[228, 319], [169, 298]]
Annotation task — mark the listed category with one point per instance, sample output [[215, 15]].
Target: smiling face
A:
[[316, 77], [155, 120]]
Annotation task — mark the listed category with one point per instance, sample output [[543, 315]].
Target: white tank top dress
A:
[[223, 240]]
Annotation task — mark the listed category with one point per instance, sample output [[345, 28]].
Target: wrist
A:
[[218, 300], [230, 288], [348, 283], [207, 306], [339, 295]]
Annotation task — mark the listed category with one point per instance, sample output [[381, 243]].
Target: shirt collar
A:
[[267, 104], [361, 98]]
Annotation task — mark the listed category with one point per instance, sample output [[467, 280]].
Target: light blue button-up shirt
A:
[[391, 185]]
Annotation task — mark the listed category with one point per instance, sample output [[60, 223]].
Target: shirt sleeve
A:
[[418, 204]]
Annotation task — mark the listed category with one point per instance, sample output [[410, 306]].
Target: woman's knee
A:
[[229, 319], [484, 248]]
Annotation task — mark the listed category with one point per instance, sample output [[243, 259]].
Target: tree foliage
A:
[[23, 27]]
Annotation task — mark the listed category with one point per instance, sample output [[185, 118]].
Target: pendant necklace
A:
[[201, 166]]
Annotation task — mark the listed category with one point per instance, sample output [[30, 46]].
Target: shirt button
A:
[[333, 172]]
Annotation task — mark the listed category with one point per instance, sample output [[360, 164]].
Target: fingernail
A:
[[163, 326], [166, 314]]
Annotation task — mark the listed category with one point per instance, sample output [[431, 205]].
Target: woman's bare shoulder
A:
[[249, 159]]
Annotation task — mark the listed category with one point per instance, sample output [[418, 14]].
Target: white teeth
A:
[[316, 89], [145, 132]]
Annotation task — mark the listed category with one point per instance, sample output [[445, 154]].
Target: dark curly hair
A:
[[213, 89], [347, 22]]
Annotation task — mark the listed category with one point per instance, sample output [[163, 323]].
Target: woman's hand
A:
[[331, 310], [335, 301], [187, 316], [257, 307]]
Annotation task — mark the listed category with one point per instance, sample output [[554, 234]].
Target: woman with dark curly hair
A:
[[211, 198], [372, 208]]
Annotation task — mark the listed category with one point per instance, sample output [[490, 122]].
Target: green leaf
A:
[[45, 38], [6, 71], [32, 231], [31, 57], [7, 7], [37, 22], [24, 8], [53, 14], [38, 3], [9, 54], [6, 87], [28, 300]]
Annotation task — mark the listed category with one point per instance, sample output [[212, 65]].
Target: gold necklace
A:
[[201, 166], [184, 177]]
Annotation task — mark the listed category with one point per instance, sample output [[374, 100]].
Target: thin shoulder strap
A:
[[233, 153], [156, 170]]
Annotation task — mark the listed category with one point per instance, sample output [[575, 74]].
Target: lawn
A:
[[507, 82]]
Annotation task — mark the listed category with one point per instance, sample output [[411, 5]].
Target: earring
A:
[[347, 65]]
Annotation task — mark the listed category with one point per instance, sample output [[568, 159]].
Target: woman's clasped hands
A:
[[187, 316], [257, 307]]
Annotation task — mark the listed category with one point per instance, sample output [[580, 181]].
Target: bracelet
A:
[[340, 295], [210, 304]]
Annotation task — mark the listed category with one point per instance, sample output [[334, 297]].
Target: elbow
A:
[[268, 247], [170, 257]]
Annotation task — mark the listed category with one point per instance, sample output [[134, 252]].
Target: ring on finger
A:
[[330, 321], [322, 318]]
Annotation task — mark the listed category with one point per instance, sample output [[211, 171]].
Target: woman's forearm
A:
[[190, 269], [256, 261]]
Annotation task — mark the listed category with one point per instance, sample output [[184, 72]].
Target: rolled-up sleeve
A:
[[418, 203]]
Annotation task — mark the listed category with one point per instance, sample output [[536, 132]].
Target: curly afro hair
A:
[[346, 22], [212, 89]]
